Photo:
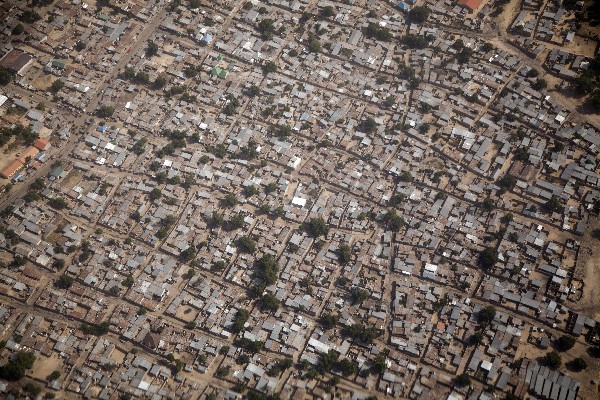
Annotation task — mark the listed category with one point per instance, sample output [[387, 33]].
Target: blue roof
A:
[[102, 128], [403, 6], [304, 117], [207, 37]]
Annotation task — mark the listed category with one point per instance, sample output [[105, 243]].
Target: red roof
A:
[[470, 4], [11, 168], [41, 144]]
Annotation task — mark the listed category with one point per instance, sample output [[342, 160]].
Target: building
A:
[[28, 155], [11, 169], [470, 4], [16, 61], [151, 340], [41, 144]]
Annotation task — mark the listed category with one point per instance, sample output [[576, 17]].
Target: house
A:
[[41, 144], [28, 155], [11, 169], [403, 6], [16, 61], [151, 340], [469, 4]]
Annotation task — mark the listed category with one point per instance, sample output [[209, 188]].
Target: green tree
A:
[[486, 315], [269, 66], [552, 360], [240, 319], [54, 375], [328, 321], [18, 29], [344, 254], [155, 194], [488, 258], [266, 27], [64, 282], [317, 227], [160, 82], [419, 14], [152, 49], [577, 364], [5, 76], [56, 86], [105, 111], [462, 380], [246, 245], [16, 368], [359, 295], [565, 342], [269, 302]]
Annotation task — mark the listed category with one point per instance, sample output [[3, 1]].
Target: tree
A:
[[266, 27], [344, 254], [54, 375], [128, 281], [358, 295], [577, 364], [16, 368], [97, 330], [57, 203], [327, 12], [553, 205], [269, 66], [105, 111], [18, 29], [316, 227], [269, 302], [464, 55], [415, 41], [230, 200], [539, 84], [64, 282], [393, 221], [246, 245], [419, 14], [462, 380], [160, 82], [313, 45], [368, 125], [552, 360], [486, 315], [29, 17], [56, 86], [487, 204], [363, 333], [152, 49], [266, 268], [475, 338], [488, 258], [155, 194], [565, 342], [328, 321], [378, 32], [253, 91], [240, 319], [507, 182], [5, 76]]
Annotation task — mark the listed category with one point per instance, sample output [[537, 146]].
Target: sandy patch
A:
[[588, 270], [44, 366]]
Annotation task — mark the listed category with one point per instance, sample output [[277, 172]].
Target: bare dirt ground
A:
[[43, 81], [44, 366], [588, 270]]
